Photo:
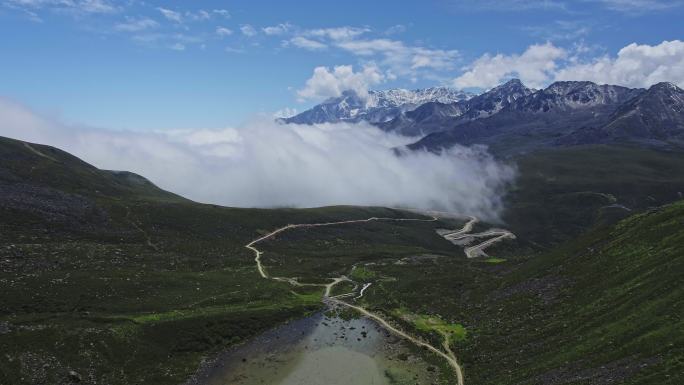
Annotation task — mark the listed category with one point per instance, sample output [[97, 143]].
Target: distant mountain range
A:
[[512, 118], [377, 107]]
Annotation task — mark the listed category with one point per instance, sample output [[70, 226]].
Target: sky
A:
[[185, 93], [181, 65]]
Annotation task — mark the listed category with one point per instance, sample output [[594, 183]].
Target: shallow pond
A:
[[320, 350]]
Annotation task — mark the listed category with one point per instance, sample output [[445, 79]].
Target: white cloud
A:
[[338, 33], [234, 50], [639, 6], [248, 30], [199, 15], [180, 17], [559, 30], [507, 5], [178, 47], [77, 6], [277, 29], [628, 6], [222, 12], [171, 15], [372, 47], [265, 164], [400, 58], [635, 66], [136, 24], [394, 56], [395, 29], [306, 43], [535, 67], [174, 41], [223, 31], [149, 38], [286, 112], [94, 6], [326, 82]]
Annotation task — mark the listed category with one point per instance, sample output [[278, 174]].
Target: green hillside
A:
[[607, 308], [562, 192], [104, 274]]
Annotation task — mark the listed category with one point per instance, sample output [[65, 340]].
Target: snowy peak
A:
[[570, 95], [661, 106], [513, 86], [666, 88], [377, 106], [497, 98], [654, 116], [435, 116], [398, 96]]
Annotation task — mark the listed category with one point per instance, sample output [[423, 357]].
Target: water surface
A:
[[320, 350]]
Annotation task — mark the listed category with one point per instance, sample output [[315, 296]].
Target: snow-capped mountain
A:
[[512, 118], [654, 115], [432, 116], [401, 97], [564, 113], [377, 106], [571, 95]]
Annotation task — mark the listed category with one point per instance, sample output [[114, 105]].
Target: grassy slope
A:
[[107, 275], [606, 308], [562, 192], [614, 299], [152, 311]]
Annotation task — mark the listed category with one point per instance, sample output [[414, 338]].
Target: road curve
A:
[[478, 250], [449, 356], [465, 232], [257, 253]]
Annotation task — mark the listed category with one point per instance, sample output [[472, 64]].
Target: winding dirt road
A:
[[471, 252], [478, 250], [449, 356], [496, 235], [260, 266]]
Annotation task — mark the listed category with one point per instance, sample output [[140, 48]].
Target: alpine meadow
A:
[[446, 192]]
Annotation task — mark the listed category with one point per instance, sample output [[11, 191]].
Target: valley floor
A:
[[106, 279]]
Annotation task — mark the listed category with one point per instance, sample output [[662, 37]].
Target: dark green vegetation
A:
[[331, 251], [561, 193], [106, 275], [453, 332], [607, 308], [604, 309]]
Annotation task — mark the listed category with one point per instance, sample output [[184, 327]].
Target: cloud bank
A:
[[636, 65], [331, 82], [267, 164], [534, 67]]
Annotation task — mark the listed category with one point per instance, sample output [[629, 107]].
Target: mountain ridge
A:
[[376, 107], [513, 118], [572, 113]]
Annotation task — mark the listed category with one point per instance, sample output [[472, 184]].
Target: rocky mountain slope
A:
[[107, 279], [567, 113], [431, 116], [656, 115], [512, 118], [376, 107]]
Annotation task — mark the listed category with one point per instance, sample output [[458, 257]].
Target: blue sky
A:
[[152, 65]]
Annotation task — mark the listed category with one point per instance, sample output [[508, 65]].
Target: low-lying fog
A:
[[267, 164]]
